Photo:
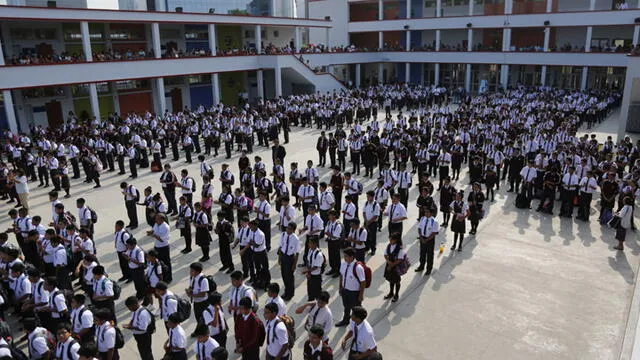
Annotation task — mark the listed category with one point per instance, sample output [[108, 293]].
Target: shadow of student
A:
[[545, 226], [566, 230], [585, 234], [619, 263], [443, 275], [522, 221]]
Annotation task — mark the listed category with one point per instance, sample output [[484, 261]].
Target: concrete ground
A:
[[527, 286]]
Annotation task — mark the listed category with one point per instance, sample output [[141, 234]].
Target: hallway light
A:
[[328, 18], [406, 27], [212, 11], [469, 25], [547, 22]]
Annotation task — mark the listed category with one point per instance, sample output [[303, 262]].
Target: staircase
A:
[[323, 82]]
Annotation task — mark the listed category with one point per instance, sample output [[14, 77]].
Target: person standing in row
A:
[[397, 213], [141, 327], [333, 232], [427, 231], [352, 284], [288, 251], [131, 197], [224, 230], [394, 255], [160, 232]]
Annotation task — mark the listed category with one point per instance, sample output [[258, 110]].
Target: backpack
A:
[[367, 273], [117, 290], [94, 216], [69, 218], [255, 298], [163, 267], [403, 266], [69, 355], [210, 173], [151, 328], [262, 333], [119, 338], [193, 184], [212, 283], [137, 197], [323, 267], [16, 354], [249, 203], [232, 180], [360, 188], [291, 329], [183, 308]]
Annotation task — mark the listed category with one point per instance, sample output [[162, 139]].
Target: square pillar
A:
[[437, 40], [549, 6], [467, 78], [380, 40], [470, 38], [358, 71], [592, 5], [297, 39], [543, 75], [278, 78], [380, 10], [636, 34], [215, 84], [212, 39], [9, 110], [380, 74], [155, 40], [259, 39], [504, 76], [260, 81], [408, 41], [407, 73], [438, 8], [547, 35], [93, 99], [436, 74], [328, 36], [471, 7], [506, 39], [587, 41], [86, 41], [583, 79], [408, 9], [508, 7], [161, 102]]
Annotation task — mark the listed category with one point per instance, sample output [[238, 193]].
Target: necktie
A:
[[202, 356], [171, 338], [391, 213], [344, 281], [355, 337], [311, 225], [286, 246]]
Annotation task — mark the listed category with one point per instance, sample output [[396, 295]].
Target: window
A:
[[129, 85], [276, 33], [199, 79], [82, 90]]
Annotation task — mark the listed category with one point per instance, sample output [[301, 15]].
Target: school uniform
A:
[[106, 340], [218, 332], [137, 271], [333, 232], [140, 320], [67, 350], [351, 275], [288, 250], [82, 319], [395, 213], [314, 259], [199, 285], [371, 210], [276, 337], [427, 230], [204, 349], [363, 338]]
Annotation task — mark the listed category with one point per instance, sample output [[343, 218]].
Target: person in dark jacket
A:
[[247, 328]]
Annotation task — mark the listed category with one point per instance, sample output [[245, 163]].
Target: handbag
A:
[[403, 267], [181, 223], [614, 222]]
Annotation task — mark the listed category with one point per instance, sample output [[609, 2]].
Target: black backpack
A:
[[16, 354], [183, 308], [151, 329], [163, 267], [94, 216], [119, 338], [193, 184], [212, 284]]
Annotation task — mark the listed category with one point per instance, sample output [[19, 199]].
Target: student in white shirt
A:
[[273, 297], [168, 301], [105, 335], [81, 319], [352, 284], [161, 232], [213, 317], [36, 339], [131, 195], [364, 342], [141, 327], [176, 345], [277, 337], [136, 258], [588, 185], [205, 344], [427, 231], [357, 239], [198, 290], [260, 258], [288, 251], [67, 347], [394, 255], [397, 213], [318, 314], [625, 214]]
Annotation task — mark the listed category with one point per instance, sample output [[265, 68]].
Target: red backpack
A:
[[367, 273]]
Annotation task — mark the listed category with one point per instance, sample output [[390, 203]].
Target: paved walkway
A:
[[527, 286]]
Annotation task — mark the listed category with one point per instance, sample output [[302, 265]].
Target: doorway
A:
[[176, 99], [55, 117]]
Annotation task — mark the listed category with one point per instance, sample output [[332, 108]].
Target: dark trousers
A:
[[372, 233], [261, 262], [133, 168], [186, 234], [165, 257], [314, 287], [265, 226], [251, 354], [171, 201], [567, 202], [342, 159], [247, 263], [178, 355], [132, 212], [76, 168], [332, 157], [139, 282], [334, 255], [287, 272], [349, 301], [55, 180], [269, 357], [198, 309], [585, 205], [426, 253], [322, 158], [43, 175], [121, 164], [116, 356], [225, 254], [221, 338], [404, 196], [144, 345], [124, 266], [395, 227]]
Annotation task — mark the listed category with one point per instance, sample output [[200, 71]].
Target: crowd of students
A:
[[524, 137]]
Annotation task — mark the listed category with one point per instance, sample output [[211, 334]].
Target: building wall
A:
[[338, 10], [79, 4]]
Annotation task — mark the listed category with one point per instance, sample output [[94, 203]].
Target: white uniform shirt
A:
[[282, 307], [289, 244], [199, 284], [365, 339], [257, 237], [428, 226], [320, 316], [140, 320], [333, 230], [287, 214], [396, 212], [162, 231], [37, 343], [169, 305], [81, 318], [203, 350], [349, 281], [277, 336], [105, 337], [359, 234], [315, 259], [326, 200], [314, 224]]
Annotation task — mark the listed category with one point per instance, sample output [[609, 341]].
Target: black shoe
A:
[[122, 279], [186, 251], [287, 298], [419, 268], [329, 273], [129, 281], [335, 275], [133, 227], [395, 298], [97, 186], [388, 296], [459, 249], [230, 270], [428, 272], [372, 253], [342, 323], [223, 268], [203, 259], [452, 248], [510, 190]]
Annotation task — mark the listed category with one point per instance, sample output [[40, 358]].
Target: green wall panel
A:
[[228, 37], [230, 85], [104, 102]]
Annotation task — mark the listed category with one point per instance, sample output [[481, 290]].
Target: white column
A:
[[161, 104], [259, 39], [358, 70], [380, 10], [408, 9], [161, 5], [506, 39], [592, 5], [547, 35], [297, 40], [1, 53], [93, 99], [437, 40], [278, 78], [587, 41], [273, 8], [407, 72], [155, 38], [636, 34], [436, 74], [470, 39], [508, 7], [407, 46], [212, 39], [467, 78], [86, 41], [215, 84], [380, 40], [549, 6], [328, 35], [543, 75], [9, 110], [380, 73], [471, 7], [260, 81], [438, 8], [583, 79]]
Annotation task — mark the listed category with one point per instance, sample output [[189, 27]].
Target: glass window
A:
[[199, 79]]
